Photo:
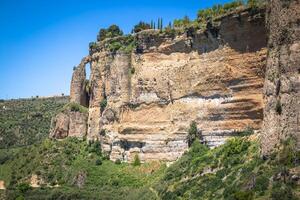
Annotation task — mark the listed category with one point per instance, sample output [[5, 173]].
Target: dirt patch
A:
[[2, 185]]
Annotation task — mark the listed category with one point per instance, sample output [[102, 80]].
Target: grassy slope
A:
[[232, 171], [238, 173], [59, 162], [27, 121]]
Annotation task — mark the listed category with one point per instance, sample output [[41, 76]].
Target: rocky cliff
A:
[[282, 85], [142, 102]]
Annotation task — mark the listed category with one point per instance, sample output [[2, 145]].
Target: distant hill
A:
[[27, 121]]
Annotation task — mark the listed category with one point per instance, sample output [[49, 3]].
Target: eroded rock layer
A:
[[143, 102]]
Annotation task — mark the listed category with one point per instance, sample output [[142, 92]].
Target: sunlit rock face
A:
[[282, 83], [69, 124], [213, 77]]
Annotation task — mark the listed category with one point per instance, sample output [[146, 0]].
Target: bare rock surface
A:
[[69, 124], [282, 83]]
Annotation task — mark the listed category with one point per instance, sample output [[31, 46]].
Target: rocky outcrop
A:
[[144, 101], [69, 124], [282, 83], [78, 92], [153, 94]]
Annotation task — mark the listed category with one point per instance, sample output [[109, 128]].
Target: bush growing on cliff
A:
[[217, 10], [103, 104], [182, 23], [75, 107], [192, 133], [110, 32], [141, 26], [278, 107], [125, 44]]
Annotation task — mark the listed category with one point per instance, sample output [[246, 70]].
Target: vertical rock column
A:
[[282, 82], [98, 66], [78, 93]]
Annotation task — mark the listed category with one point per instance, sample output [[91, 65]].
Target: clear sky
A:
[[41, 40]]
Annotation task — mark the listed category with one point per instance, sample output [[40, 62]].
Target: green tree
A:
[[192, 133], [158, 23], [186, 21], [136, 161], [141, 26], [110, 32]]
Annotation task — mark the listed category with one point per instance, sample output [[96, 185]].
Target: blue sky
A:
[[41, 40]]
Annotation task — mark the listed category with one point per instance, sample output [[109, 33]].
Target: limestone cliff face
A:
[[282, 85], [213, 77], [69, 124], [78, 93]]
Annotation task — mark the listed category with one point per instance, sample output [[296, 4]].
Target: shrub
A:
[[75, 107], [246, 132], [98, 162], [136, 161], [182, 23], [170, 31], [110, 32], [278, 107], [288, 155], [114, 46], [93, 45], [141, 26], [103, 104], [282, 192], [244, 195], [255, 3], [132, 70], [23, 187], [118, 162], [192, 133], [95, 147]]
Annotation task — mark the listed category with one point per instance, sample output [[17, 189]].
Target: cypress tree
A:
[[158, 23], [161, 24]]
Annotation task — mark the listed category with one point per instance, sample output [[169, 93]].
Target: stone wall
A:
[[282, 83]]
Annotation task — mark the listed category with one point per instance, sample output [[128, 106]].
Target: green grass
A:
[[27, 121]]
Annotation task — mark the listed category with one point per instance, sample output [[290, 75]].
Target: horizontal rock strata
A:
[[143, 102]]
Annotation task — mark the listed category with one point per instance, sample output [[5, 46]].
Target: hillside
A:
[[72, 169], [27, 121]]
